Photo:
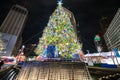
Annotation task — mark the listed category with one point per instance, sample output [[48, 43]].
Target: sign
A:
[[97, 37]]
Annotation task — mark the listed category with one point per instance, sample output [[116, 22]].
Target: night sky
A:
[[87, 14]]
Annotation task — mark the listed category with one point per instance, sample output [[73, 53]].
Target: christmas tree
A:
[[59, 37]]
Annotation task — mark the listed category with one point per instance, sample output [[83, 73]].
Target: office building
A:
[[104, 23], [14, 22], [112, 35], [12, 27]]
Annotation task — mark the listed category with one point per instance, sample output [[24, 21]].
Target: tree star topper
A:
[[60, 2]]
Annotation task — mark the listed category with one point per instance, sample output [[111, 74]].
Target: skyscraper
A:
[[104, 23], [14, 22], [11, 29], [112, 35]]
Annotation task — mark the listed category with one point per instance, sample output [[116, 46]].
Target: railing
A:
[[9, 73], [111, 77], [88, 72]]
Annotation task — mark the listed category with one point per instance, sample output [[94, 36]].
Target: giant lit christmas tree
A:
[[59, 37]]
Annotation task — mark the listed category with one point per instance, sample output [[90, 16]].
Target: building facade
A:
[[13, 25], [104, 24], [112, 35]]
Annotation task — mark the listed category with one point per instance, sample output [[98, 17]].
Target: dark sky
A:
[[87, 13]]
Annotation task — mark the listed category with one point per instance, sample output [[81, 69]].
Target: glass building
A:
[[112, 35]]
